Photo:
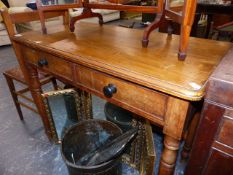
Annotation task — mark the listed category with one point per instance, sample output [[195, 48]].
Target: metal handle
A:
[[42, 62], [109, 90]]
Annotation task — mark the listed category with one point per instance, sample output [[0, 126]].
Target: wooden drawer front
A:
[[30, 55], [225, 135], [57, 66], [54, 65], [140, 100], [219, 163]]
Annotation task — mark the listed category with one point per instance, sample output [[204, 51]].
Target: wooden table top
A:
[[118, 51]]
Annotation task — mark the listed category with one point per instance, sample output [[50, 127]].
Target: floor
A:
[[24, 148]]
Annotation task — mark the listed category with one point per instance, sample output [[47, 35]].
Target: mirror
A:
[[65, 108]]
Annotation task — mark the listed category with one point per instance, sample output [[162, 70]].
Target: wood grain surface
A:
[[118, 51]]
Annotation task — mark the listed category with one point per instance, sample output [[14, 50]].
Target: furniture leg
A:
[[169, 155], [170, 27], [184, 38], [42, 21], [14, 96], [155, 24], [66, 18], [175, 116], [190, 137], [188, 14], [40, 3], [35, 87], [54, 82], [87, 13]]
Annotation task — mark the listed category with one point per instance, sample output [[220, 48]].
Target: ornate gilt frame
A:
[[83, 103], [142, 153]]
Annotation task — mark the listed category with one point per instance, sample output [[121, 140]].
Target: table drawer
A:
[[225, 135], [49, 63], [138, 99]]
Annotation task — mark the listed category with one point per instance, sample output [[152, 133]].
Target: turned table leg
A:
[[36, 91], [169, 155], [31, 75], [175, 116]]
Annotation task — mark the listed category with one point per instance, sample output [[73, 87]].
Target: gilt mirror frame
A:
[[83, 106], [141, 155]]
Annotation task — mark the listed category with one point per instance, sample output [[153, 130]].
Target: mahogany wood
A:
[[149, 81], [212, 152]]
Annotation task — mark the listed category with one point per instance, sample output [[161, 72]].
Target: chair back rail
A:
[[10, 19]]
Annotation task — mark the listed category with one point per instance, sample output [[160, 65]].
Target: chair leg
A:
[[14, 96], [54, 82]]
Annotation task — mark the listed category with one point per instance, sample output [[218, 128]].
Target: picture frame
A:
[[66, 107]]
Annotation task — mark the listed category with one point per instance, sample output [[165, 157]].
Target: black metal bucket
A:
[[85, 137], [119, 116]]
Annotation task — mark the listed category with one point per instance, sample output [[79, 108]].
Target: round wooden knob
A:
[[42, 62], [109, 90]]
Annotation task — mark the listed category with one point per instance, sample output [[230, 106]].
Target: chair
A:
[[15, 74]]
